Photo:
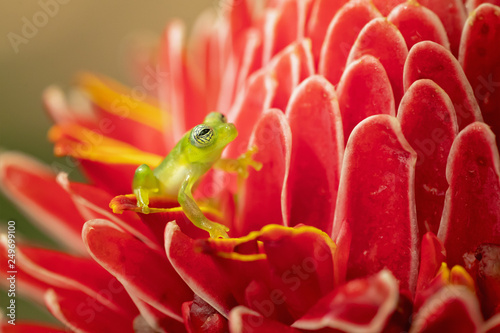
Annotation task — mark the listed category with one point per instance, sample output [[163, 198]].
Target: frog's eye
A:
[[202, 136], [223, 118]]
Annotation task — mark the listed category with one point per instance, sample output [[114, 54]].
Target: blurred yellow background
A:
[[78, 35]]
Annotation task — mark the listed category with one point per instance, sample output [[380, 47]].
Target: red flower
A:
[[377, 208]]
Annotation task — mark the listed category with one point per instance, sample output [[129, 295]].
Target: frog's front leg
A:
[[194, 213], [241, 164], [143, 185]]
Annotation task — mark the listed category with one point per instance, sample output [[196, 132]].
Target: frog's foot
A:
[[216, 230], [142, 196], [246, 160]]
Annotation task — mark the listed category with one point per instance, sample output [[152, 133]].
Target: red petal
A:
[[471, 214], [113, 178], [172, 89], [242, 61], [93, 203], [382, 39], [341, 35], [143, 271], [198, 270], [375, 222], [27, 285], [473, 4], [200, 317], [432, 254], [60, 270], [152, 318], [240, 17], [483, 266], [428, 60], [453, 15], [480, 59], [290, 67], [301, 262], [280, 28], [242, 319], [361, 305], [262, 200], [385, 6], [417, 23], [452, 309], [428, 122], [322, 13], [83, 314], [492, 325], [249, 105], [364, 90], [33, 188], [267, 301], [315, 162]]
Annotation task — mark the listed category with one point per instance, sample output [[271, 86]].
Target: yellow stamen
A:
[[119, 100], [90, 145]]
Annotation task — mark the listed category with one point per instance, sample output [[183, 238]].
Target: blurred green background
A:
[[82, 35]]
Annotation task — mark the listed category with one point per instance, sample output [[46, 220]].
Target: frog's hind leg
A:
[[143, 185], [194, 213]]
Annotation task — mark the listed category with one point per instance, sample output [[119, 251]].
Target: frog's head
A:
[[210, 138]]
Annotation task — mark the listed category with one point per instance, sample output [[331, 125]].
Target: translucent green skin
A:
[[188, 161]]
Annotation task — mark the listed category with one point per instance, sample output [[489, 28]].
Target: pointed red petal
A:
[[452, 14], [280, 28], [262, 200], [418, 23], [242, 319], [33, 188], [375, 222], [383, 40], [27, 285], [432, 254], [452, 309], [93, 203], [322, 13], [83, 314], [429, 123], [60, 270], [428, 60], [171, 92], [361, 305], [341, 35], [480, 59], [471, 214], [143, 271], [312, 183], [240, 17], [290, 67], [364, 90], [249, 105]]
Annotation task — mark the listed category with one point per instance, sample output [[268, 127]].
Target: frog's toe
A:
[[218, 231]]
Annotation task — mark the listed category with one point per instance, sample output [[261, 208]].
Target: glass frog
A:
[[196, 152]]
